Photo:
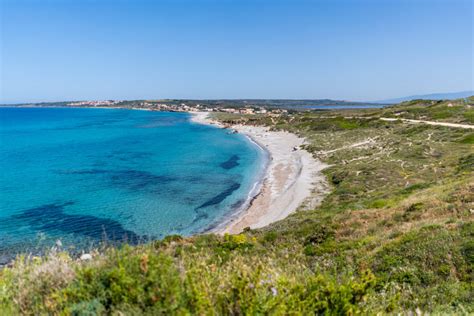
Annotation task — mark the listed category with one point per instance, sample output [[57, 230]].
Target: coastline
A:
[[292, 178]]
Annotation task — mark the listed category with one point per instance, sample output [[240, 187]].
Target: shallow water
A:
[[89, 175]]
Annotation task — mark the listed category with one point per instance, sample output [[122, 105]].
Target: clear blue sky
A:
[[135, 49]]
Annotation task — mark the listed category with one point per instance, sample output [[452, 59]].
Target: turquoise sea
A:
[[85, 176]]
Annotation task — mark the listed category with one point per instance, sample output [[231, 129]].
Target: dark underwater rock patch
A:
[[137, 179], [221, 196], [130, 179], [52, 217], [232, 162], [85, 171]]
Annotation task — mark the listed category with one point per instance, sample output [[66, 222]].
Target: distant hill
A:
[[236, 103], [433, 96]]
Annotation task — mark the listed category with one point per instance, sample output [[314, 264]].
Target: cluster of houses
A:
[[95, 103], [251, 110], [181, 107]]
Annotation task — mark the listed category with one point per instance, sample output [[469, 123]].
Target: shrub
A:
[[319, 235], [338, 177], [142, 279], [414, 187], [413, 211], [466, 163], [467, 232], [377, 203], [468, 139], [270, 236], [241, 241]]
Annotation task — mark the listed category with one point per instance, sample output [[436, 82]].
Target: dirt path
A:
[[359, 144], [429, 122]]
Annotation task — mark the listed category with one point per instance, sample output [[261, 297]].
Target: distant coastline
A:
[[242, 106]]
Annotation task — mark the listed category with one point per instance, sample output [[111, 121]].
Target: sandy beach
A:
[[293, 178]]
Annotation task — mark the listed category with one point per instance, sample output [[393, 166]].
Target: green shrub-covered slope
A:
[[394, 235]]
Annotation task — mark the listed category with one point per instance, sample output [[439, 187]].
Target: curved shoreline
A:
[[292, 178], [256, 190]]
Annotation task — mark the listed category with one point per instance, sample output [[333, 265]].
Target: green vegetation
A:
[[456, 111], [395, 235]]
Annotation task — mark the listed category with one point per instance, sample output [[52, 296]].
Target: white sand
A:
[[293, 178]]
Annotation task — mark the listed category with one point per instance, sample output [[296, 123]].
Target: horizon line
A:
[[232, 99]]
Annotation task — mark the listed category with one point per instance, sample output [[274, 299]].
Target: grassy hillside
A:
[[396, 234], [455, 111]]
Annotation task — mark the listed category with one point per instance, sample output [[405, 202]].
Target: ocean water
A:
[[85, 176]]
